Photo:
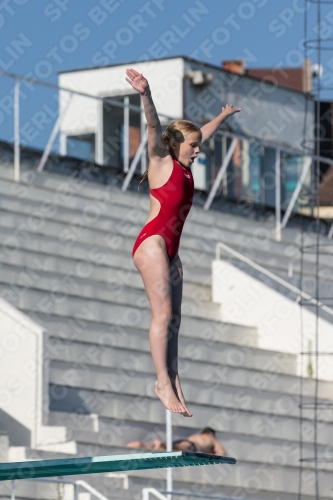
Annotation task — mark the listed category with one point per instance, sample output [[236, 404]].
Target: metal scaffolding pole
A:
[[168, 426], [53, 135], [221, 173], [296, 192], [135, 161]]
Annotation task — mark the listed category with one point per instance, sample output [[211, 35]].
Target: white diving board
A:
[[115, 463]]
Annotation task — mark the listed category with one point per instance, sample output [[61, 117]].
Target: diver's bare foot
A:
[[165, 392], [181, 397]]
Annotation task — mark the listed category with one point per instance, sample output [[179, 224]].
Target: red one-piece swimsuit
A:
[[175, 197]]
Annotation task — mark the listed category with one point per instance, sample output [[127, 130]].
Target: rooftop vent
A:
[[234, 66], [198, 77]]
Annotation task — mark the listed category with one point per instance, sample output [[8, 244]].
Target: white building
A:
[[186, 88]]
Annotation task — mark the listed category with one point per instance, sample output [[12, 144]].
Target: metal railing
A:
[[125, 105], [269, 274], [77, 485], [160, 494]]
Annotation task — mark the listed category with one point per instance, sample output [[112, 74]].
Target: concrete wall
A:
[[23, 376], [247, 300]]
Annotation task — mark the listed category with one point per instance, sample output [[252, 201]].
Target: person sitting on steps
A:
[[205, 441]]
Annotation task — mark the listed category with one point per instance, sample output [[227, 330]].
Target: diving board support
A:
[[168, 421], [115, 463]]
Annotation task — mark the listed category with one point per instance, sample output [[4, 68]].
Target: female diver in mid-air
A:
[[155, 252]]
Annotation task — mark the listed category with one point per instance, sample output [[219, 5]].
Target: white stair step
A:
[[197, 243], [130, 381], [244, 447], [77, 287], [97, 337], [78, 354], [109, 313], [23, 453], [66, 188], [237, 418], [63, 266], [112, 256], [69, 447], [51, 434]]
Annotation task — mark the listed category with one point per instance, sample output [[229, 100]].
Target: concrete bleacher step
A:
[[278, 262], [97, 338], [99, 273], [113, 381], [196, 240], [268, 478], [114, 292], [111, 487], [24, 453], [57, 188], [114, 255], [270, 452], [212, 373], [100, 363], [224, 416], [61, 189], [259, 236], [32, 301], [194, 257], [104, 262], [244, 447]]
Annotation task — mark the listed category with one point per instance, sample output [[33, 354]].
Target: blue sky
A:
[[41, 38]]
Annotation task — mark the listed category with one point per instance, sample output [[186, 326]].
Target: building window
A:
[[81, 146]]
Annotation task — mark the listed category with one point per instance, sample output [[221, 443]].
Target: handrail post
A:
[[145, 494], [76, 491], [17, 130], [12, 494], [126, 134], [278, 194], [153, 491]]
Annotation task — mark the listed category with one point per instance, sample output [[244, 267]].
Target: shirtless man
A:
[[205, 441]]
